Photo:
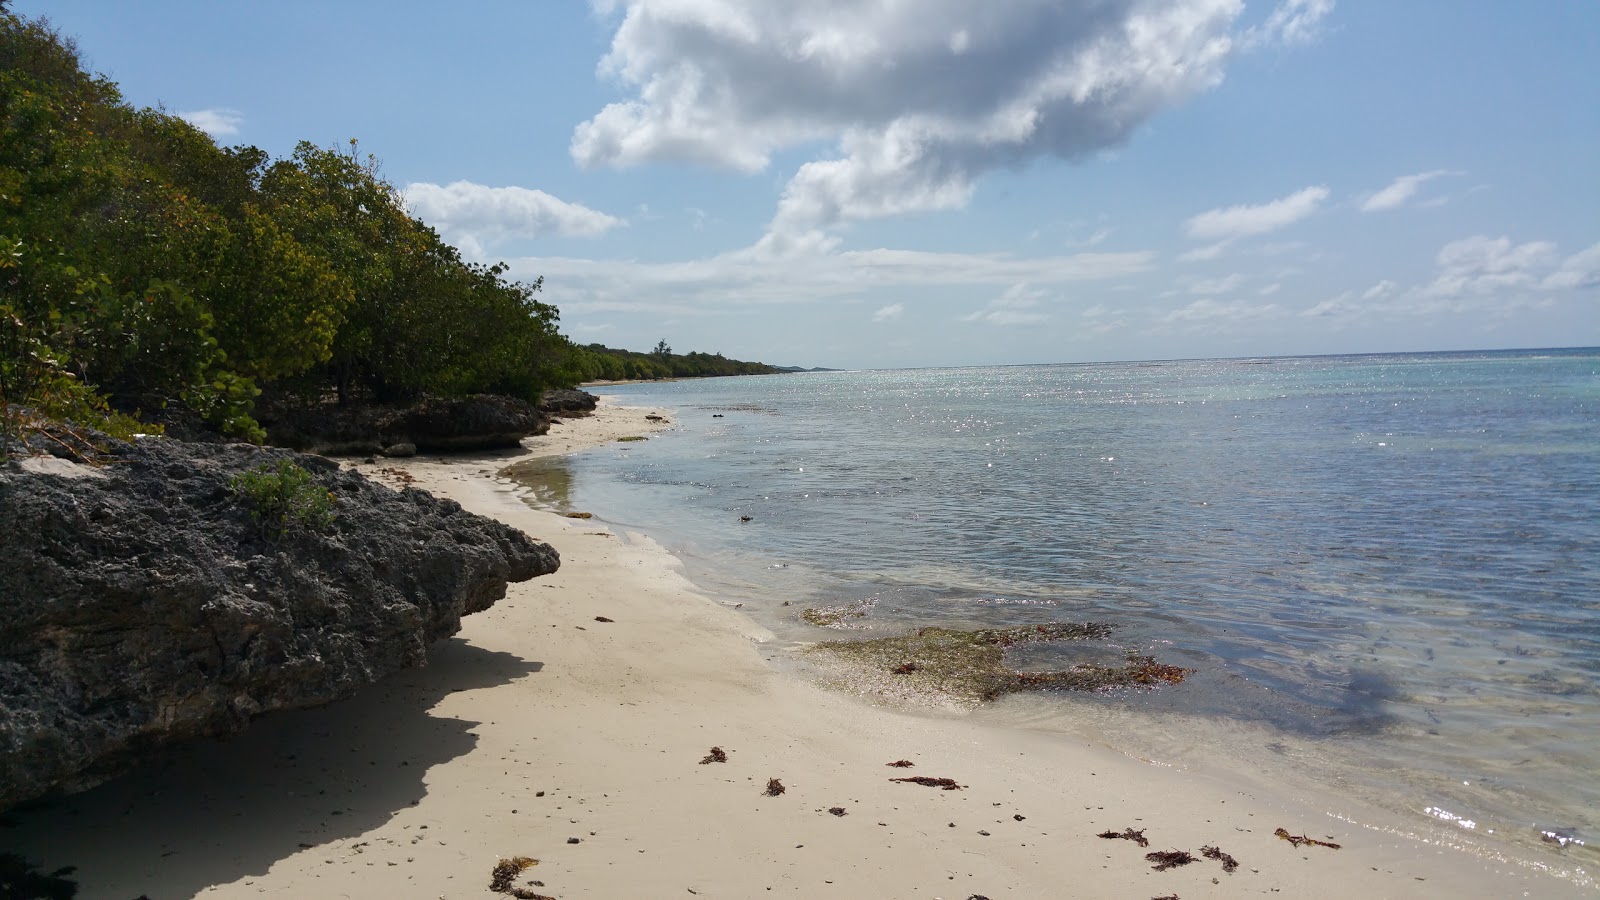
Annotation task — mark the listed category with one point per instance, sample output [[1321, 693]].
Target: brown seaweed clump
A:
[[1170, 859], [1298, 839], [944, 784], [970, 666], [506, 871], [717, 755], [900, 764], [1127, 834], [774, 787], [1216, 853]]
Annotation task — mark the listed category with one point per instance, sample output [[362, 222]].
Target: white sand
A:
[[417, 787]]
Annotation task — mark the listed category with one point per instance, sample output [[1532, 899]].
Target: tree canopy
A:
[[142, 265]]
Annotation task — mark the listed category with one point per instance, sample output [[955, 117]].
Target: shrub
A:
[[284, 497]]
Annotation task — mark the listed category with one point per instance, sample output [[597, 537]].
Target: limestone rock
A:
[[145, 606], [568, 402]]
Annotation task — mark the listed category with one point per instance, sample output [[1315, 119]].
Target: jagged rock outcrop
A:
[[140, 604], [567, 402], [431, 425]]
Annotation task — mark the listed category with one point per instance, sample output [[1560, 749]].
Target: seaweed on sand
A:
[[946, 784], [1170, 859], [971, 665], [1298, 839], [774, 787], [506, 871], [1216, 853], [1127, 834], [900, 764], [717, 755]]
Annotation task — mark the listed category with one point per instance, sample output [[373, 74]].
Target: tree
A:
[[662, 350]]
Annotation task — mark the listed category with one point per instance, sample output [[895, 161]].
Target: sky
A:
[[891, 183]]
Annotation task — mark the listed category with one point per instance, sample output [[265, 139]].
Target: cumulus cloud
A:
[[218, 122], [1245, 221], [1014, 307], [1477, 275], [1401, 190], [1580, 270], [892, 311], [474, 216], [920, 99]]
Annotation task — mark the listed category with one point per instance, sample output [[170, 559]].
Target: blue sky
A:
[[877, 183]]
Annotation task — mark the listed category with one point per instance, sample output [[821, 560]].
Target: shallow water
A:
[[1386, 569]]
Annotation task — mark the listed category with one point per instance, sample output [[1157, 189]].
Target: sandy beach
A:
[[568, 724]]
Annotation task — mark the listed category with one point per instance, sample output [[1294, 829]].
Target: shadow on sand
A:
[[218, 811]]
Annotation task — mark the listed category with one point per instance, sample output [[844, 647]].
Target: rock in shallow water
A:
[[146, 606]]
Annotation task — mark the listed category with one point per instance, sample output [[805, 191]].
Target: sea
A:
[[1384, 570]]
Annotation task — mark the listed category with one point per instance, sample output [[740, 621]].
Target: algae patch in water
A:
[[837, 616], [970, 666]]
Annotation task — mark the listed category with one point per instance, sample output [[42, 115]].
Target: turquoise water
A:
[[1384, 567]]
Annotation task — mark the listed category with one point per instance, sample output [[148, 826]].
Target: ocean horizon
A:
[[1382, 567]]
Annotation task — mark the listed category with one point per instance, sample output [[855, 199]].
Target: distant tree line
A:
[[597, 362], [142, 265]]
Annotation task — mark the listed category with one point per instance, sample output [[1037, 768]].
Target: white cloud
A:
[[1292, 22], [1201, 254], [475, 216], [1379, 291], [1482, 265], [1478, 275], [1401, 190], [921, 98], [1580, 270], [1215, 311], [892, 311], [1014, 307], [1093, 240], [1243, 221], [217, 122], [758, 275]]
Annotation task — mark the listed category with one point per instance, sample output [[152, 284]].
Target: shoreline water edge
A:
[[636, 738]]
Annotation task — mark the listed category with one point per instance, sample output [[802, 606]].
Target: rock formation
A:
[[431, 425], [140, 603], [567, 402]]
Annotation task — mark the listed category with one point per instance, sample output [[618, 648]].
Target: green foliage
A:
[[144, 265], [284, 497], [35, 384], [597, 362]]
